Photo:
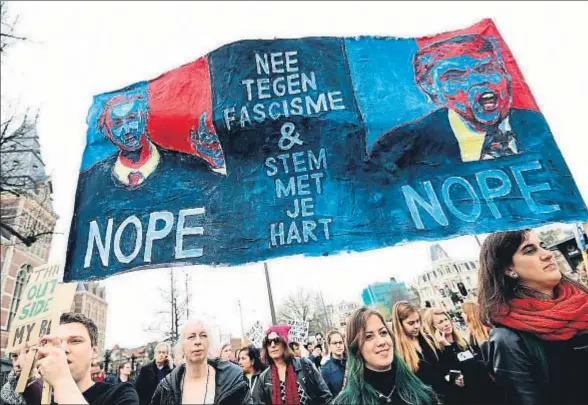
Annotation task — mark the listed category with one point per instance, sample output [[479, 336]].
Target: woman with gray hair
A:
[[200, 379]]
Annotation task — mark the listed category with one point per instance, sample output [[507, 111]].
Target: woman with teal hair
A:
[[375, 373]]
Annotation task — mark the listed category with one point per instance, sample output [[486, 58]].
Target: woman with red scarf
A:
[[289, 379], [538, 347]]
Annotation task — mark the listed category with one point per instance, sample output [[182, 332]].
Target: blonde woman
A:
[[477, 332], [459, 365], [416, 349]]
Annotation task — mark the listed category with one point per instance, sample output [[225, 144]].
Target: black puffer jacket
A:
[[529, 370], [307, 376], [231, 386]]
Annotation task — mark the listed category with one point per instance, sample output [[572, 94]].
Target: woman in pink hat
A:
[[289, 379]]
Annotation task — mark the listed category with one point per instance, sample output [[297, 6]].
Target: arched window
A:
[[22, 278]]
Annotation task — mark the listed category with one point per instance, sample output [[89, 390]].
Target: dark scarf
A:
[[560, 318], [291, 386]]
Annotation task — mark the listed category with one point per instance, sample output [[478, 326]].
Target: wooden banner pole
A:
[[46, 396], [26, 371]]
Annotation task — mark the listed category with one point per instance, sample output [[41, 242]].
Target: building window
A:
[[22, 279]]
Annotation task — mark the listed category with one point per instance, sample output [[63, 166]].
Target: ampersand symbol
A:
[[289, 138]]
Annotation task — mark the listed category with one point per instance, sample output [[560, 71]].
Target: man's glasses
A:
[[277, 340]]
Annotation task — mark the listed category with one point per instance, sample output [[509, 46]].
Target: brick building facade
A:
[[25, 208], [90, 300]]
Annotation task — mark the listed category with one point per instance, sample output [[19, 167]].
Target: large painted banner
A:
[[269, 148]]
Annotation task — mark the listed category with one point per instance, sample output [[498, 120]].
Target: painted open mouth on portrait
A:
[[488, 100]]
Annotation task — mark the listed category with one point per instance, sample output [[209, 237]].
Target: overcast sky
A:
[[82, 49]]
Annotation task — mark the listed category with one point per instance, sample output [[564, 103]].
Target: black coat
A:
[[429, 371], [477, 381], [533, 371], [251, 386], [333, 372], [307, 376], [147, 381], [231, 385]]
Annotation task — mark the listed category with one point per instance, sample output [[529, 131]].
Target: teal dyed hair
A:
[[408, 386]]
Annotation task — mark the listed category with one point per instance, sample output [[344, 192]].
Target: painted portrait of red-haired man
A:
[[124, 122]]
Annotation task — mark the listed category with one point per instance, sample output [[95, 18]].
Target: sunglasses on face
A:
[[277, 340]]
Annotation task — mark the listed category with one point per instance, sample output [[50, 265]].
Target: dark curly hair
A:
[[255, 356]]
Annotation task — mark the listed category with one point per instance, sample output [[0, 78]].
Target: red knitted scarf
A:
[[558, 319], [291, 387]]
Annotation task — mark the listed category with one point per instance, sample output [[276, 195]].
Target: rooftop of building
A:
[[436, 253]]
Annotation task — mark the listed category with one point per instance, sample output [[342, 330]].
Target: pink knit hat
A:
[[281, 330]]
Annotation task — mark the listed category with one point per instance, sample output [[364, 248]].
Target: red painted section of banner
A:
[[176, 101], [521, 94]]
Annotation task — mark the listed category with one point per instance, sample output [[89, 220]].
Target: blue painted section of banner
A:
[[383, 86], [314, 146]]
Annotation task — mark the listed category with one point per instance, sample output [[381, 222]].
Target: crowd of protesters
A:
[[524, 342]]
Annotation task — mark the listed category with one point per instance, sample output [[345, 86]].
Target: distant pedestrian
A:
[[296, 349], [124, 373], [151, 374], [477, 332], [226, 352], [333, 371], [316, 356], [251, 364]]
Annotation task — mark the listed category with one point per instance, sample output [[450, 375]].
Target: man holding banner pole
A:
[[64, 361]]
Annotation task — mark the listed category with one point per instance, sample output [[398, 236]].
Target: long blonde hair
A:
[[429, 329], [477, 331], [402, 343]]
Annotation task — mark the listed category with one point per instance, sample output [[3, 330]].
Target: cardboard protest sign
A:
[[255, 334], [299, 331], [44, 299], [272, 148]]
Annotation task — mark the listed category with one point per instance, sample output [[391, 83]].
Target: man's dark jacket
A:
[[231, 385], [147, 381]]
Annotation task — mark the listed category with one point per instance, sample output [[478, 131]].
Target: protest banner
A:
[[44, 299], [299, 331], [271, 148], [255, 334]]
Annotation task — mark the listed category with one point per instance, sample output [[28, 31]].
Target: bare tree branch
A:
[[7, 33], [167, 321]]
